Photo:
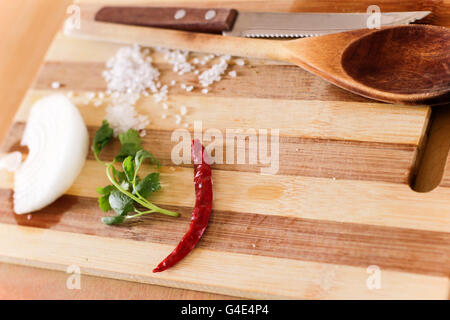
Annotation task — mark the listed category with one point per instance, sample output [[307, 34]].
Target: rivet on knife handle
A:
[[188, 19]]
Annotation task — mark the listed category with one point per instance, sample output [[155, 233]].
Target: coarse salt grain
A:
[[213, 74], [178, 60], [165, 106], [232, 74], [189, 88], [205, 91], [183, 110], [164, 116], [90, 95], [55, 85], [177, 119], [239, 62]]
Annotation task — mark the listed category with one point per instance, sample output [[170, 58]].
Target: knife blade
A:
[[269, 25], [230, 22]]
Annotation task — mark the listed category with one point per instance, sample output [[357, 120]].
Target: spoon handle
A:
[[154, 37]]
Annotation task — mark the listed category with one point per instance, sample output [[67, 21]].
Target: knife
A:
[[230, 22]]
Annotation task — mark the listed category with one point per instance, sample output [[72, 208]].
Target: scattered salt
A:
[[130, 74], [239, 62], [212, 74], [55, 85], [90, 95]]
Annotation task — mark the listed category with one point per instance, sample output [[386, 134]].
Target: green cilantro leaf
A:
[[127, 189], [103, 135], [119, 176], [141, 155], [129, 169], [105, 191], [131, 136], [128, 149], [113, 220], [103, 203], [120, 202], [131, 144], [148, 185]]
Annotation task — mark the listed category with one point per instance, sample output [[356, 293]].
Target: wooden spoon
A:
[[407, 64]]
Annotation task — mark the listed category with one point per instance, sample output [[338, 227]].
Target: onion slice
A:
[[58, 143]]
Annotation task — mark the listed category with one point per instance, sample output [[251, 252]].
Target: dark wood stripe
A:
[[415, 251], [260, 81], [326, 158]]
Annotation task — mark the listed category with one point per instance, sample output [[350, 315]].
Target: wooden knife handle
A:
[[187, 19]]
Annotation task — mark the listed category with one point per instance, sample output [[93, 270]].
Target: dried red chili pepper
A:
[[201, 212]]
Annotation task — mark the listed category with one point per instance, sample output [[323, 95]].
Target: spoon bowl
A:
[[407, 64], [410, 60]]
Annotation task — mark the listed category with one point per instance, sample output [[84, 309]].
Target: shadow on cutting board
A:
[[432, 163]]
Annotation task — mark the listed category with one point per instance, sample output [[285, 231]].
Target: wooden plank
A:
[[326, 158], [365, 202], [236, 274], [26, 283], [407, 250], [302, 118]]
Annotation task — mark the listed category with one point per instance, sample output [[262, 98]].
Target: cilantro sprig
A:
[[127, 195]]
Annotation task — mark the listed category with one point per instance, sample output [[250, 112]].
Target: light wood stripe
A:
[[68, 49], [297, 156], [397, 249], [363, 202], [206, 270], [308, 119], [278, 81]]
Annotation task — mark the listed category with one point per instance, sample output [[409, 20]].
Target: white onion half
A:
[[58, 143]]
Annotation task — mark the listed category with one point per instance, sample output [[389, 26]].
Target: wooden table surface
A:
[[26, 29]]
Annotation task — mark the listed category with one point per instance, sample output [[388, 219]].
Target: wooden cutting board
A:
[[341, 200]]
